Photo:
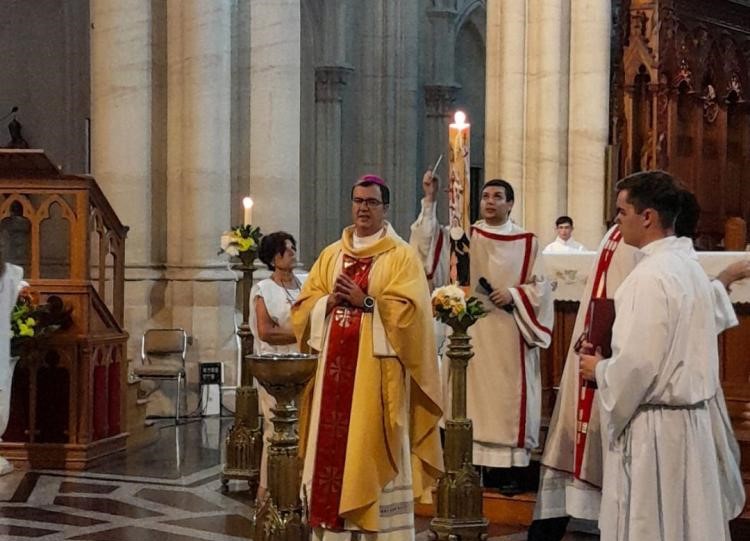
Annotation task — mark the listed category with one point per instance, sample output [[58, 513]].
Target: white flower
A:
[[228, 245], [22, 284], [451, 293]]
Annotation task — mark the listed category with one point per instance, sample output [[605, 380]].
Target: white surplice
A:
[[560, 246], [503, 377], [662, 471]]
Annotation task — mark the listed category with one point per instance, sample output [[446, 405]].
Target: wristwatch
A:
[[368, 304]]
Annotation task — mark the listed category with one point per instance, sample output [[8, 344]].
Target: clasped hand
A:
[[346, 290]]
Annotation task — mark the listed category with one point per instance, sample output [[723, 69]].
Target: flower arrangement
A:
[[239, 239], [450, 306], [31, 320]]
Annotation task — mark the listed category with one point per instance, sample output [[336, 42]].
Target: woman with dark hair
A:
[[270, 303]]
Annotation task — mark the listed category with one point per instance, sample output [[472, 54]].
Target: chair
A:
[[163, 357]]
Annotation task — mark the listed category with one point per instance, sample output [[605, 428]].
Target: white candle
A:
[[247, 202]]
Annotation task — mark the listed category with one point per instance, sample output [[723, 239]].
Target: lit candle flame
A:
[[459, 119], [247, 202]]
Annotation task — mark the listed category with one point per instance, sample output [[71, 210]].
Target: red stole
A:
[[336, 403], [586, 389]]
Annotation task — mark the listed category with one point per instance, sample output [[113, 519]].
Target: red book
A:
[[601, 319]]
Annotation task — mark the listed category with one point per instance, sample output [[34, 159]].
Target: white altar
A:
[[568, 272]]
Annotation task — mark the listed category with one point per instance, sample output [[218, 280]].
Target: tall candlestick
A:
[[247, 202], [459, 136]]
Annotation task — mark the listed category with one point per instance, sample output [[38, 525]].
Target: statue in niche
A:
[[16, 138], [710, 107]]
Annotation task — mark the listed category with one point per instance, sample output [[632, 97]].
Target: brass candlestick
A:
[[244, 442], [458, 514], [281, 515]]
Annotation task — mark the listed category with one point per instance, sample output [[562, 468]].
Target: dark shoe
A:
[[549, 529]]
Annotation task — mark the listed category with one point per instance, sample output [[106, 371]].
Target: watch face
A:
[[369, 302]]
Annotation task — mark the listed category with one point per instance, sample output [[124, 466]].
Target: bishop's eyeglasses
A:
[[369, 202]]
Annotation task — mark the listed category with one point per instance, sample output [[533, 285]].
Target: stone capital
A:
[[439, 99], [330, 82]]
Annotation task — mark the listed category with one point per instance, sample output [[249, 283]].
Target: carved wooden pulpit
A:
[[68, 395]]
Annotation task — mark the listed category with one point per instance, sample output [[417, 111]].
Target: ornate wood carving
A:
[[679, 101]]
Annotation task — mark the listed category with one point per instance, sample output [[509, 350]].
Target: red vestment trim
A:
[[587, 389], [436, 256], [522, 421], [336, 404], [496, 236], [530, 310]]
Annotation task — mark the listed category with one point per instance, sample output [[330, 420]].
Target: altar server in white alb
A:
[[503, 378], [564, 242], [571, 470], [662, 473]]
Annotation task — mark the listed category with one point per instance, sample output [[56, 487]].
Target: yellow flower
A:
[[245, 244], [26, 328]]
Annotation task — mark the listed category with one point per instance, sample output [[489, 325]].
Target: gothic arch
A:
[[474, 13]]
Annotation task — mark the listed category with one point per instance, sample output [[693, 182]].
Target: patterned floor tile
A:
[[234, 525], [22, 532], [37, 515], [106, 505], [179, 499], [69, 487], [135, 533]]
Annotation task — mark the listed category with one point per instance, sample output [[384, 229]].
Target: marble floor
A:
[[168, 491]]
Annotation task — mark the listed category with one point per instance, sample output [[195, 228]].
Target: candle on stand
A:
[[247, 202], [459, 187]]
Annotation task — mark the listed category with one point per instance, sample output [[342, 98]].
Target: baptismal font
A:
[[281, 515]]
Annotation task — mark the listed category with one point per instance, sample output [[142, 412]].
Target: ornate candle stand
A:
[[459, 495], [244, 442], [280, 516]]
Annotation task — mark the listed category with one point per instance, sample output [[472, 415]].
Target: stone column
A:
[[589, 117], [275, 63], [545, 156], [506, 95], [200, 289], [387, 137], [198, 172], [439, 109], [330, 190], [121, 116], [122, 142]]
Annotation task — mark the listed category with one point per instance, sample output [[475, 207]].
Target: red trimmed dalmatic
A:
[[504, 382]]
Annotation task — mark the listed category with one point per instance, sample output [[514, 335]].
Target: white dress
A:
[[278, 301], [8, 295]]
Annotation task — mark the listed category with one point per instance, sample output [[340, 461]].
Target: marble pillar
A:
[[439, 93], [200, 288], [544, 195], [121, 116], [439, 110], [506, 95], [275, 63], [125, 147], [589, 117], [387, 84], [331, 190]]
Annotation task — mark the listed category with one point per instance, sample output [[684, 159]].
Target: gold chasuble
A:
[[393, 396]]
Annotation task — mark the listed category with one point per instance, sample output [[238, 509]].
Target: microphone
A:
[[484, 284]]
